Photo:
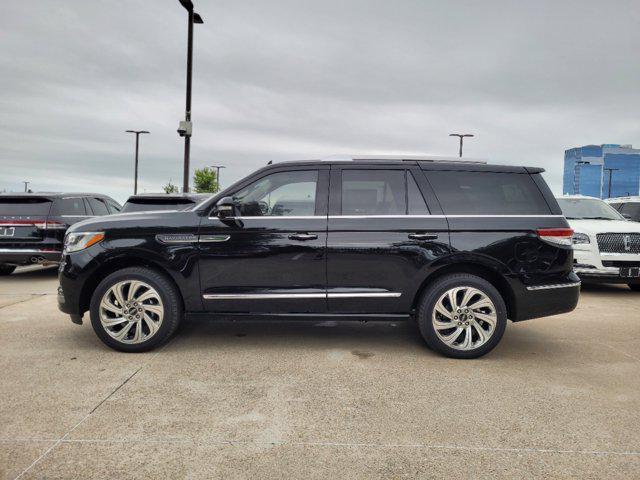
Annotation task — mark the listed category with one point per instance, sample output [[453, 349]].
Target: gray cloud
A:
[[286, 79]]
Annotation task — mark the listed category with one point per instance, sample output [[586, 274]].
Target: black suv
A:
[[163, 201], [32, 225], [460, 247]]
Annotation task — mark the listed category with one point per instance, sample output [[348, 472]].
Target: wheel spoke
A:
[[443, 325], [452, 294], [490, 319], [153, 326], [107, 304], [121, 335], [133, 288], [148, 295], [114, 321], [452, 337], [468, 295], [137, 336], [157, 309], [117, 292], [482, 335], [441, 309], [468, 342], [484, 302]]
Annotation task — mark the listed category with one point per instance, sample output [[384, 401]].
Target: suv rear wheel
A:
[[6, 270], [462, 316], [135, 309]]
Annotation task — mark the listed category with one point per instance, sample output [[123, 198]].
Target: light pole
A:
[[217, 167], [135, 178], [611, 170], [461, 137], [185, 127]]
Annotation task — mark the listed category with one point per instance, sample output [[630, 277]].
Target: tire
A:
[[634, 286], [459, 342], [7, 270], [155, 295]]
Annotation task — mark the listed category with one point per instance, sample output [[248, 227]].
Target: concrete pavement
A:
[[559, 397]]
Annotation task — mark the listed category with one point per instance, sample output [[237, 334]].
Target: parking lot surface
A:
[[559, 397]]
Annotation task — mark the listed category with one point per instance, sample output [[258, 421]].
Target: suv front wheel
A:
[[462, 316], [135, 309]]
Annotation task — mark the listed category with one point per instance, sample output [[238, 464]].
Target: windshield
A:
[[153, 205], [587, 209]]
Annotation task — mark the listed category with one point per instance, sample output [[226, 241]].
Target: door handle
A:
[[423, 236], [303, 236]]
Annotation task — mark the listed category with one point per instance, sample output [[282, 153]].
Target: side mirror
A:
[[226, 207]]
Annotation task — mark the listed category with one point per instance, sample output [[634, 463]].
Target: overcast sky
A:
[[278, 80]]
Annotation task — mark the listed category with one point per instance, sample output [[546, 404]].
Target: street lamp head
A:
[[188, 4], [197, 18]]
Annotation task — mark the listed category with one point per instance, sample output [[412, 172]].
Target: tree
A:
[[171, 188], [204, 180]]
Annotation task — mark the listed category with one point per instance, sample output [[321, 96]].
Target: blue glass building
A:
[[587, 170]]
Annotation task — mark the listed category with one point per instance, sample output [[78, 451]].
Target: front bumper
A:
[[595, 267], [603, 275], [29, 256]]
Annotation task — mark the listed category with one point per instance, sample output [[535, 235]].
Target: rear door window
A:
[[631, 209], [487, 193], [98, 206], [20, 206], [113, 206], [374, 192]]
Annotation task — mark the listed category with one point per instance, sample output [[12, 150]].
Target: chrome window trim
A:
[[26, 250], [284, 217], [553, 286], [275, 296]]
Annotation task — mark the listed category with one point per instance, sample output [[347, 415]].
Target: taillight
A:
[[48, 225], [556, 236]]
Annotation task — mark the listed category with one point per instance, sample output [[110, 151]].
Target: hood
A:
[[593, 227], [140, 220]]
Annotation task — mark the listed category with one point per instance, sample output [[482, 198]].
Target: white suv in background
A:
[[606, 245]]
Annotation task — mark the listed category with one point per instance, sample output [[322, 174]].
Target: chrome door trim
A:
[[365, 295], [311, 217], [275, 296], [260, 296], [553, 286]]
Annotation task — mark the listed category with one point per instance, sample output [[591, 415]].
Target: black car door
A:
[[270, 256], [382, 237]]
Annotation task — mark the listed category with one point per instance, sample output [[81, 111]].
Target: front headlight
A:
[[580, 238], [75, 242]]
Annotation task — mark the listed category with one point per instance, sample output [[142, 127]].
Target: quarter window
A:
[[415, 200], [487, 193], [98, 206], [73, 206], [280, 194]]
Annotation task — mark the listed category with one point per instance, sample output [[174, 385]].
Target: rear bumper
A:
[[543, 300], [28, 256]]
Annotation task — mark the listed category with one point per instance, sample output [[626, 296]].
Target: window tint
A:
[[279, 194], [10, 206], [632, 210], [113, 206], [417, 205], [373, 192], [71, 206], [98, 206], [487, 193]]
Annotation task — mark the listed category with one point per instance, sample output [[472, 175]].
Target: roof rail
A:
[[403, 158]]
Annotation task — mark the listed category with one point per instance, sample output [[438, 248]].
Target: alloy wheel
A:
[[464, 318], [131, 311]]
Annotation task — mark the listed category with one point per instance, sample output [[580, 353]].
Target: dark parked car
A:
[[163, 201], [460, 247], [629, 207], [32, 225]]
